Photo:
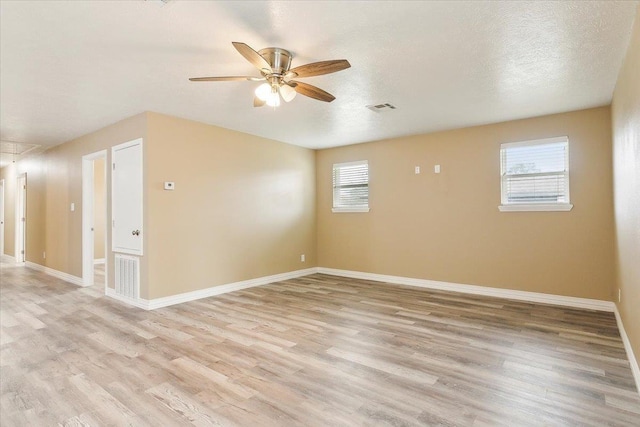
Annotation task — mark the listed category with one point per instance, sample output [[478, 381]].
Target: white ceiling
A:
[[72, 67]]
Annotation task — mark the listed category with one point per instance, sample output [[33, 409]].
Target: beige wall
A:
[[447, 226], [54, 181], [99, 208], [64, 186], [626, 176], [243, 206]]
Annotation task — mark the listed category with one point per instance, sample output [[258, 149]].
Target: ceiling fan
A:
[[274, 64]]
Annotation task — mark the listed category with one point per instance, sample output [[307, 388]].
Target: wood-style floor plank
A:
[[314, 351]]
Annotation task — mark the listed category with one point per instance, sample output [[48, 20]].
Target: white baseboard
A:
[[635, 369], [592, 304], [98, 261], [136, 302], [208, 292], [586, 303], [537, 297], [408, 281], [55, 273]]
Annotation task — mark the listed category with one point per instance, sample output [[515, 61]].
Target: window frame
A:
[[354, 208], [506, 206]]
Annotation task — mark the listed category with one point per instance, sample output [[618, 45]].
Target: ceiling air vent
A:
[[16, 148], [381, 108]]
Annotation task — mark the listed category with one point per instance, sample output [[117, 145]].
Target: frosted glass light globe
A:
[[263, 91]]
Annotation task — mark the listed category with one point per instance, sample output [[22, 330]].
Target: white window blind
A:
[[535, 174], [351, 187]]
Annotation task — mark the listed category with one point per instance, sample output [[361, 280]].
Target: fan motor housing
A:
[[279, 59]]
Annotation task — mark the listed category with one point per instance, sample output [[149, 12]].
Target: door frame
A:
[[21, 219], [88, 197]]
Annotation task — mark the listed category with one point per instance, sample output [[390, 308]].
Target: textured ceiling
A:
[[72, 67]]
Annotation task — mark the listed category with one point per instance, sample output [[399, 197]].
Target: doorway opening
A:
[[21, 219], [94, 219]]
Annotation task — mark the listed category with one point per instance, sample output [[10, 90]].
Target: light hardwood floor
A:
[[314, 351]]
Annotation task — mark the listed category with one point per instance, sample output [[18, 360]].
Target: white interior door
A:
[[126, 197], [21, 218]]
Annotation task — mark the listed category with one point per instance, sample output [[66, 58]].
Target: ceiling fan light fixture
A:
[[273, 99], [263, 91], [287, 92], [274, 64]]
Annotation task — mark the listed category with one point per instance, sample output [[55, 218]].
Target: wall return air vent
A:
[[381, 108]]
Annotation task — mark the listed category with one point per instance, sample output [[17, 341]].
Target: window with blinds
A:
[[351, 187], [535, 175]]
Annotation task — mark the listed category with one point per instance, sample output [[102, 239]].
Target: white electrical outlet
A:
[[619, 294], [417, 170], [73, 207], [436, 169], [302, 258]]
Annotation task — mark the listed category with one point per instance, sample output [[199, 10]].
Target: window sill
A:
[[542, 207], [347, 210]]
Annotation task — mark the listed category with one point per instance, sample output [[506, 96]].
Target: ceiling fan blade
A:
[[311, 91], [320, 68], [252, 56], [257, 102], [226, 79]]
